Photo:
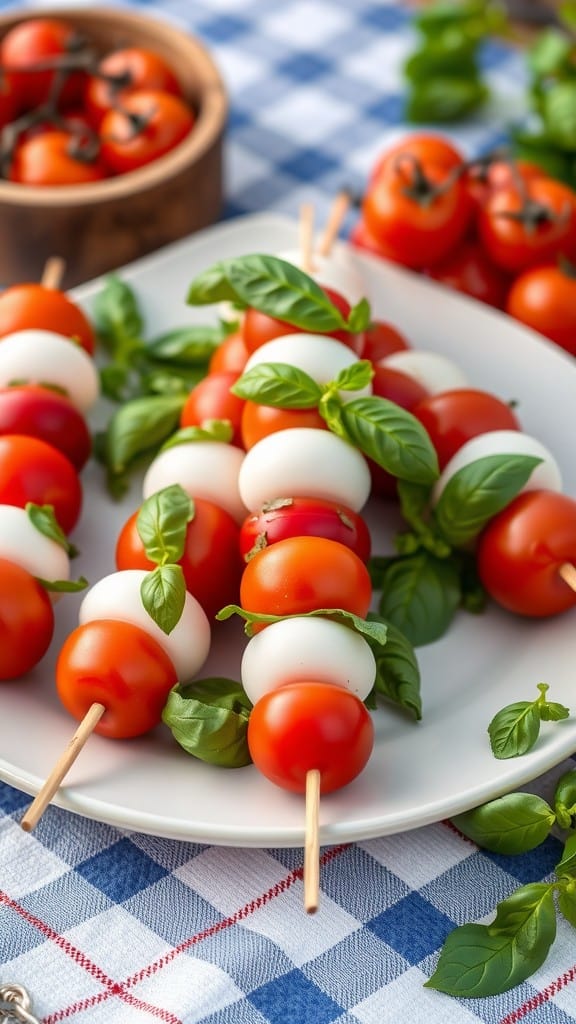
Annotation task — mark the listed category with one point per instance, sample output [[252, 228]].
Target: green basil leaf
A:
[[567, 14], [389, 435], [375, 631], [212, 285], [445, 99], [565, 797], [397, 670], [163, 593], [354, 377], [451, 53], [211, 430], [567, 901], [512, 824], [162, 522], [420, 595], [44, 520], [116, 314], [478, 492], [115, 382], [359, 317], [567, 865], [278, 384], [173, 381], [479, 960], [64, 586], [209, 719], [559, 114], [552, 712], [550, 53], [514, 729], [139, 428], [187, 346]]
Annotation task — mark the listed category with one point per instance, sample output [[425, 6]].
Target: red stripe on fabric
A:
[[542, 997]]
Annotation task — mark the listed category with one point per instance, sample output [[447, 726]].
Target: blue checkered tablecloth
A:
[[104, 926]]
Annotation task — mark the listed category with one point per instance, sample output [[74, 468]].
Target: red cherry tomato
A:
[[302, 726], [211, 399], [33, 305], [517, 236], [425, 147], [521, 550], [260, 420], [453, 417], [149, 125], [404, 391], [211, 562], [483, 181], [8, 99], [258, 328], [26, 621], [304, 517], [122, 72], [381, 339], [544, 298], [121, 666], [32, 470], [55, 157], [469, 270], [33, 42], [302, 574], [362, 238], [231, 355], [40, 412]]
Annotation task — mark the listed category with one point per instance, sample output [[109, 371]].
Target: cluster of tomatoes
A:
[[501, 231], [69, 116]]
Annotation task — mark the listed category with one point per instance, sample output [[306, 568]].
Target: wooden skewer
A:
[[312, 843], [306, 237], [53, 272], [338, 211], [62, 766], [568, 573]]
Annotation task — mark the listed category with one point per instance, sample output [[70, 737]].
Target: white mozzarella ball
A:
[[22, 543], [307, 650], [303, 463], [545, 476], [318, 355], [44, 357], [117, 596], [204, 469], [433, 371], [337, 270]]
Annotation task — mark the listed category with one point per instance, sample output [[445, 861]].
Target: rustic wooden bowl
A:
[[100, 226]]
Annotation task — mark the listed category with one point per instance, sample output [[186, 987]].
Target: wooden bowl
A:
[[100, 226]]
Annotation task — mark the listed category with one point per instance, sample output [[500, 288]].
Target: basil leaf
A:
[[163, 593], [550, 54], [567, 14], [115, 382], [187, 346], [354, 377], [211, 286], [211, 430], [173, 381], [397, 670], [477, 492], [278, 384], [567, 901], [420, 595], [44, 520], [511, 824], [359, 317], [559, 114], [375, 631], [139, 428], [162, 523], [552, 712], [388, 435], [565, 798], [116, 315], [209, 719], [450, 54], [445, 99], [567, 865], [479, 960], [514, 730], [64, 586]]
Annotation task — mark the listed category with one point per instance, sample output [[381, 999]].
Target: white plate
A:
[[418, 773]]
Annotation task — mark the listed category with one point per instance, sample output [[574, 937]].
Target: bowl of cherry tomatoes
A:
[[112, 126]]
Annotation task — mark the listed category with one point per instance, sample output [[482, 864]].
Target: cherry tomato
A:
[[33, 42], [417, 212], [149, 125], [26, 621], [304, 517], [452, 418], [425, 147], [302, 574], [362, 238], [302, 726], [405, 391], [260, 420], [522, 549], [520, 231], [469, 270], [8, 99], [381, 339], [211, 562], [55, 157], [40, 412], [483, 181], [122, 72], [33, 305], [544, 298], [211, 399], [32, 470], [258, 328], [231, 355], [121, 666]]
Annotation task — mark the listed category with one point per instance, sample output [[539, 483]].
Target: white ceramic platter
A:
[[418, 773]]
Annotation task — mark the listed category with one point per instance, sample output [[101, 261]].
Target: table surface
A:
[[102, 925]]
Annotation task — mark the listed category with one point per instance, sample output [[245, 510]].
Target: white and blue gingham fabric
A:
[[104, 926]]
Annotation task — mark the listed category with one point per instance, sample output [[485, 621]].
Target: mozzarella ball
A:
[[44, 357], [337, 270], [117, 596], [302, 649], [318, 355], [304, 463], [22, 543], [545, 476], [204, 469], [433, 371]]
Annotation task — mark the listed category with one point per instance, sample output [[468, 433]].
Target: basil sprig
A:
[[44, 519], [515, 728], [161, 523], [209, 719], [137, 431], [397, 669], [374, 630], [511, 824]]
